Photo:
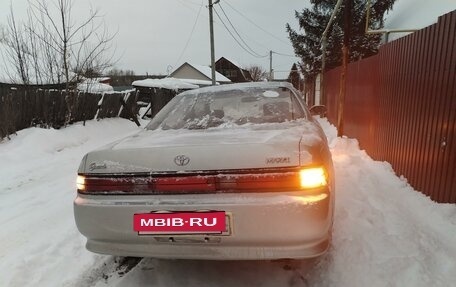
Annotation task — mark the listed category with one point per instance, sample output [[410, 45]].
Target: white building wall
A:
[[188, 72], [317, 90]]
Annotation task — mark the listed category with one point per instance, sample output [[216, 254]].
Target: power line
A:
[[281, 67], [240, 37], [237, 41], [286, 55], [258, 26], [189, 2], [244, 44], [194, 10], [191, 34], [187, 5]]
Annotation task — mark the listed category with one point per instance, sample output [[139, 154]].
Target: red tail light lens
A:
[[267, 182], [185, 184], [261, 182], [145, 184]]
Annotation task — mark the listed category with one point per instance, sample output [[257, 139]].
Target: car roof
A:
[[239, 86]]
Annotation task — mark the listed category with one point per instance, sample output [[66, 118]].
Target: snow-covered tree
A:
[[312, 22], [294, 77]]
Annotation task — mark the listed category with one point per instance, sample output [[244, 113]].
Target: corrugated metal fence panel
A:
[[332, 93], [361, 109], [401, 106], [447, 119]]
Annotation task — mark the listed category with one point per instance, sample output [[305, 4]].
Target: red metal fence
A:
[[401, 106]]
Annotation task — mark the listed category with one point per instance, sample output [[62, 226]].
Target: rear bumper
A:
[[262, 225]]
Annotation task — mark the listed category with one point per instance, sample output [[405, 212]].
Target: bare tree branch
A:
[[51, 47], [257, 73], [15, 48]]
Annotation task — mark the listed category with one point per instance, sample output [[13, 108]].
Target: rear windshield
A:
[[228, 108]]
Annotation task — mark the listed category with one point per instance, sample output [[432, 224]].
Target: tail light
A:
[[307, 178], [313, 177], [80, 182]]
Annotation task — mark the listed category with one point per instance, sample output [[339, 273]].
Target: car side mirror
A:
[[318, 110]]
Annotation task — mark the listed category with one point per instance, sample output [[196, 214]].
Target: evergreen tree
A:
[[294, 77], [313, 21]]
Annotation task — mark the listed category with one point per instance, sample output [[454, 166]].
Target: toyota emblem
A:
[[181, 160]]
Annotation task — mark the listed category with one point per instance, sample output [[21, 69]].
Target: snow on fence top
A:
[[94, 87], [165, 83]]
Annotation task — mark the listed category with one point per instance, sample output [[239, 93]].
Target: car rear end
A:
[[233, 172], [268, 213]]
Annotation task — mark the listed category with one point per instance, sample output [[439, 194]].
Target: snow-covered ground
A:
[[385, 233]]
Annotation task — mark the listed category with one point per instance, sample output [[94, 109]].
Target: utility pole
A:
[[345, 60], [324, 43], [271, 75], [211, 29]]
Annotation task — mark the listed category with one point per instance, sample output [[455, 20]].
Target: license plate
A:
[[159, 223]]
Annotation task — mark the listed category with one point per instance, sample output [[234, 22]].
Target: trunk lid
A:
[[199, 150]]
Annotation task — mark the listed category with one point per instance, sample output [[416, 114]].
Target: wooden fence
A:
[[156, 97], [25, 107], [401, 106]]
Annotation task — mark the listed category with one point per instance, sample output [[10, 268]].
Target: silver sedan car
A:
[[239, 171]]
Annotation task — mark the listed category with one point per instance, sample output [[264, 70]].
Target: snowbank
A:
[[39, 242], [165, 83], [385, 233]]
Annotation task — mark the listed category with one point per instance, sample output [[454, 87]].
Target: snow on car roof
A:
[[240, 86]]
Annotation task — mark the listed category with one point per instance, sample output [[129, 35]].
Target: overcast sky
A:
[[416, 14], [151, 34]]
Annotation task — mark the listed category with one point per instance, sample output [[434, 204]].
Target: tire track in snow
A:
[[105, 271], [201, 273]]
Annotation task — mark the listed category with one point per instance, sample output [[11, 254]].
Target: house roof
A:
[[245, 73], [205, 71], [230, 60]]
